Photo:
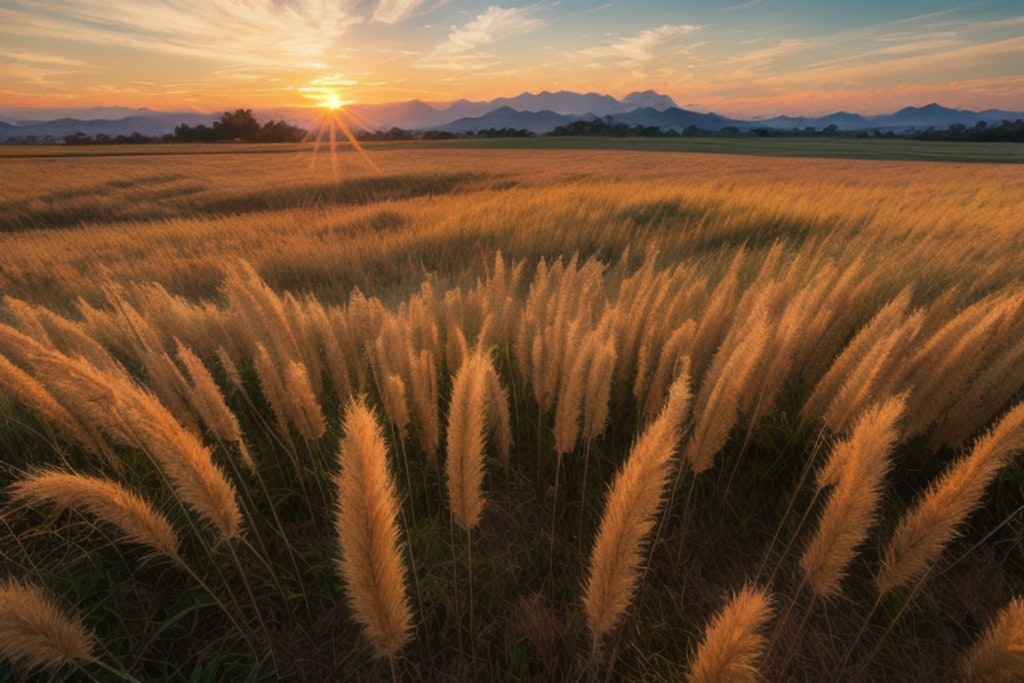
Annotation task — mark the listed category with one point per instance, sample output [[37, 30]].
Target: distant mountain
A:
[[905, 120], [151, 124], [540, 113], [563, 102], [936, 116], [409, 115], [675, 118], [507, 117], [648, 99]]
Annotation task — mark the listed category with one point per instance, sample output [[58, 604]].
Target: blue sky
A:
[[754, 57]]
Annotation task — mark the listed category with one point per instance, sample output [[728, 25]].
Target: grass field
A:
[[551, 409]]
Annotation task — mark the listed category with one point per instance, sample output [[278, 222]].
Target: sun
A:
[[333, 101]]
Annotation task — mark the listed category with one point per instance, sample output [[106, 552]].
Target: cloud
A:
[[394, 11], [649, 44], [752, 4], [229, 31], [461, 50]]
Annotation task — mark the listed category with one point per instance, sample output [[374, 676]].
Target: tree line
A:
[[237, 126]]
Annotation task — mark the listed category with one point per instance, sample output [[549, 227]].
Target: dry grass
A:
[[371, 563], [732, 644], [163, 326], [35, 633], [633, 500]]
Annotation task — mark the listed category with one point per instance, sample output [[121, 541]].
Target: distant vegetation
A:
[[1007, 131], [510, 415], [242, 126], [237, 126]]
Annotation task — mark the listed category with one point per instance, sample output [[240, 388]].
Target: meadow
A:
[[547, 412]]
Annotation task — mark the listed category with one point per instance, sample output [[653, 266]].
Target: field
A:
[[551, 410]]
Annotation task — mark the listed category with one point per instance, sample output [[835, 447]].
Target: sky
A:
[[734, 57]]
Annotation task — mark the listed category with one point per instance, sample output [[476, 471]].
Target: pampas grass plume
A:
[[934, 520], [464, 466], [732, 644], [107, 500], [859, 465], [998, 656], [371, 564], [36, 633], [634, 498]]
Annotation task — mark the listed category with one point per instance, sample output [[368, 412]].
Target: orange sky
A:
[[759, 57]]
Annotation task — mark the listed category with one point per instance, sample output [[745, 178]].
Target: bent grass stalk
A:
[[633, 500]]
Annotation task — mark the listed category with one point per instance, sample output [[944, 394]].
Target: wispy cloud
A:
[[647, 45], [462, 49], [394, 11], [228, 31], [752, 4]]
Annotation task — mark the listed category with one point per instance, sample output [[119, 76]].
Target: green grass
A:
[[814, 147], [882, 149]]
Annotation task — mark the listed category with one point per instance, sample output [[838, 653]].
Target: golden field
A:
[[510, 414]]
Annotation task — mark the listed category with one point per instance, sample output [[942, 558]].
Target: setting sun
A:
[[333, 101]]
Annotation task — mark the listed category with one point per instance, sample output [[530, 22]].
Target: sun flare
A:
[[333, 101]]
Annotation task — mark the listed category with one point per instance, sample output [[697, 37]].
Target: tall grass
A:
[[523, 344]]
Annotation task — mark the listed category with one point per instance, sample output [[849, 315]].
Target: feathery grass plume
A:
[[188, 464], [873, 375], [272, 386], [337, 367], [936, 516], [230, 369], [421, 321], [66, 336], [633, 500], [423, 389], [677, 347], [715, 320], [579, 352], [499, 418], [857, 467], [34, 396], [717, 408], [456, 348], [800, 309], [881, 326], [643, 322], [301, 402], [308, 349], [163, 375], [35, 633], [107, 500], [998, 656], [732, 643], [464, 465], [258, 312], [598, 393], [639, 295], [134, 417], [371, 563], [396, 405], [207, 399], [959, 356], [25, 318], [980, 402]]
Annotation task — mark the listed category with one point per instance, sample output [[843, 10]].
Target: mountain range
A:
[[538, 113]]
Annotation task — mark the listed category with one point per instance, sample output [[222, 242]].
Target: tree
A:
[[240, 125]]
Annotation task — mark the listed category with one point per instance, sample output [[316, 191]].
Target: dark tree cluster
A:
[[1007, 131], [241, 126], [610, 128]]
